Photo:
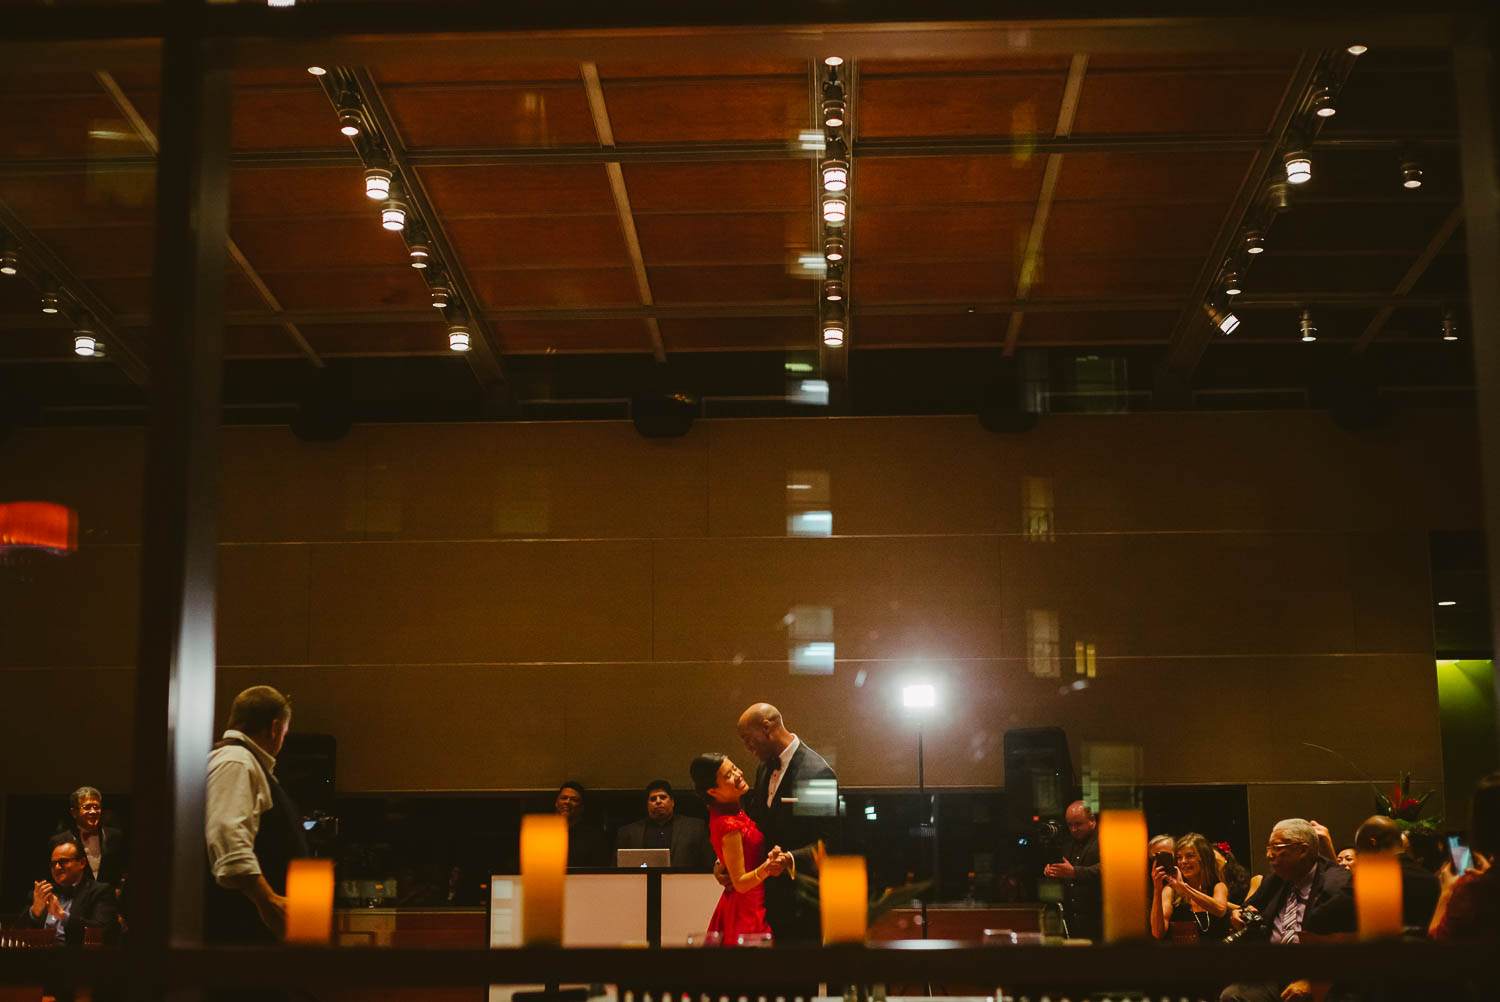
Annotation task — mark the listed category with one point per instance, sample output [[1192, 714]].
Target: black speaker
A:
[[1038, 773], [663, 415], [306, 769]]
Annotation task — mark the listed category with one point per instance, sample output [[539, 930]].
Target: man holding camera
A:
[[1305, 896], [1079, 871]]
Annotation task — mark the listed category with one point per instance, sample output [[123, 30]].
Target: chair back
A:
[[27, 939]]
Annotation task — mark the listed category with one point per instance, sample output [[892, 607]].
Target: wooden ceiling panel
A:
[[317, 244], [947, 180], [929, 331], [1083, 228], [284, 118], [933, 283], [760, 186], [1219, 59], [487, 71], [467, 192], [1090, 328], [1370, 273], [539, 287], [1152, 178], [349, 289], [62, 200], [299, 193], [132, 296], [539, 242], [117, 252], [1002, 105], [378, 339], [1066, 276], [712, 67], [536, 115], [916, 234], [1397, 100], [1180, 102], [34, 344], [543, 337], [730, 284], [60, 84], [724, 238], [79, 122], [1017, 63], [738, 333], [721, 110], [259, 342], [1342, 227]]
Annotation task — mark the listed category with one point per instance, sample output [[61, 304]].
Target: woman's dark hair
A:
[[1207, 865], [1235, 877], [1484, 823], [705, 773]]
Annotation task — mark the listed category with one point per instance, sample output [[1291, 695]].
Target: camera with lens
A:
[[1254, 921]]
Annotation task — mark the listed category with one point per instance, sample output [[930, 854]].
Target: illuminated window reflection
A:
[[1043, 648]]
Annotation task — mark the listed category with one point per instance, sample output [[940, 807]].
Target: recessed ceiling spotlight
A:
[[393, 215], [1223, 319], [281, 3], [833, 332], [1450, 329], [833, 61], [419, 254], [350, 121], [318, 71], [1411, 174], [1309, 332], [1298, 167], [458, 337], [1255, 242], [440, 296], [835, 209], [833, 102], [51, 302], [1357, 50], [10, 261], [377, 183], [1323, 104]]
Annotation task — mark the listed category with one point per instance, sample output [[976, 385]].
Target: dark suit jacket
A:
[[114, 854], [93, 906], [689, 846], [804, 812], [1419, 894], [1330, 901]]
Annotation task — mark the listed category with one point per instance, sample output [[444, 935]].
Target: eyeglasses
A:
[[1279, 846]]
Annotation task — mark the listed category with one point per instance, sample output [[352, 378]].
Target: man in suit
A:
[[1306, 895], [795, 803], [1381, 836], [70, 903], [1079, 871], [586, 845], [663, 828], [104, 848]]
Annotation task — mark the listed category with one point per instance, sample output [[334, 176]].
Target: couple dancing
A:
[[766, 835]]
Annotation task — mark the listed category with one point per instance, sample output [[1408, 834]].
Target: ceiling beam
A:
[[148, 138], [1413, 275], [600, 112]]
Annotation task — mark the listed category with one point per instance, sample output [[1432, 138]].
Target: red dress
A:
[[738, 912]]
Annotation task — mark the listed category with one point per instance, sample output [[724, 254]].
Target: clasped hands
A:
[[777, 862], [43, 900]]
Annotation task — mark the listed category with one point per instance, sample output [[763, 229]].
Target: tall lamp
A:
[[919, 700]]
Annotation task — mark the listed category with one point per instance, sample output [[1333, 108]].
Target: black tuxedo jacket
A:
[[93, 907], [1330, 901], [114, 855], [689, 846], [803, 812]]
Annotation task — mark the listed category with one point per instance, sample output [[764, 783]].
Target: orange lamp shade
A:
[[544, 864], [844, 897], [309, 901], [38, 523], [1377, 896], [1122, 862]]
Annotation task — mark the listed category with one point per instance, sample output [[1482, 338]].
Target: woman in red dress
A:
[[740, 846]]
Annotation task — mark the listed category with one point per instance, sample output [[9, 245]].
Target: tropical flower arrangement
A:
[[1405, 809]]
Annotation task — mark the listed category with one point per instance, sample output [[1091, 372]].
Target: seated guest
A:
[[1382, 836], [663, 828], [104, 847], [586, 846], [1158, 843], [1469, 907], [1305, 894], [69, 903], [1191, 903], [1233, 873], [1345, 857]]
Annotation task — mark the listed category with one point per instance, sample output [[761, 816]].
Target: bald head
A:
[[1379, 834], [1080, 820], [764, 734]]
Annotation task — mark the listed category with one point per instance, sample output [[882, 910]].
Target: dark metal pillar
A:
[[1478, 81], [175, 677]]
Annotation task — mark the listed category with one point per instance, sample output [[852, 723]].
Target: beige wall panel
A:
[[423, 603], [1183, 595], [886, 475], [274, 486], [37, 759], [571, 480], [71, 609], [95, 471], [424, 727], [721, 600], [1390, 578], [263, 604]]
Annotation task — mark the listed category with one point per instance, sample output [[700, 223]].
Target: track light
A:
[[10, 261], [1411, 174], [1280, 196], [51, 302], [440, 296], [1305, 324], [377, 183], [1223, 319], [833, 288], [1298, 167], [393, 215], [419, 254], [350, 121], [835, 209], [318, 71], [281, 3], [85, 342], [1357, 50], [833, 102], [1450, 329], [458, 337], [1323, 104], [833, 331], [836, 167], [833, 250], [833, 61], [1232, 285], [1255, 242]]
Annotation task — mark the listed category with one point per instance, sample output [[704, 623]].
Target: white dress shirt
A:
[[781, 768], [238, 793]]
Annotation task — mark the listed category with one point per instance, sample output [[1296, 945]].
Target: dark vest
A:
[[229, 917]]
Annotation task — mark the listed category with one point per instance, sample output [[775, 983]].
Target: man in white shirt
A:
[[252, 827]]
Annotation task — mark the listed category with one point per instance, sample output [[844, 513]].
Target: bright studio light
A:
[[377, 183], [85, 343], [1323, 104], [1411, 175], [1357, 50], [419, 255], [10, 262], [458, 337], [281, 3], [350, 122], [1305, 324], [1255, 242], [835, 175], [51, 302], [833, 333], [1226, 321], [835, 210], [919, 696], [318, 71], [393, 215], [1232, 286], [1447, 602], [1298, 167], [440, 296], [833, 250], [833, 61]]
